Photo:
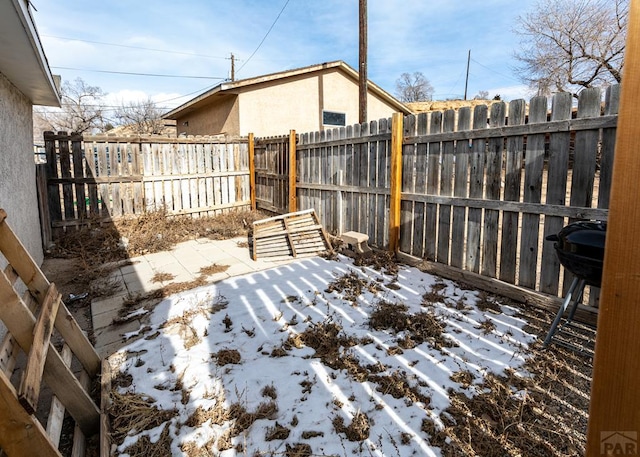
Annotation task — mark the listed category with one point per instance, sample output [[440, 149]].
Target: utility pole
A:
[[363, 62], [466, 81], [233, 67]]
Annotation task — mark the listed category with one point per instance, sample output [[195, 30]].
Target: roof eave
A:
[[22, 58], [229, 86], [187, 106]]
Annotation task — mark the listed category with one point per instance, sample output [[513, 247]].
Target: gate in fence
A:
[[273, 174]]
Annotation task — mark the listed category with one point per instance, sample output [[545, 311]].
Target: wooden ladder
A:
[[30, 319]]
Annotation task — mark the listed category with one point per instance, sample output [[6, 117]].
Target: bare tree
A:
[[568, 45], [482, 95], [141, 117], [413, 88], [81, 110]]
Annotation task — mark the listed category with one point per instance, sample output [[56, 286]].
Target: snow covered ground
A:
[[319, 357]]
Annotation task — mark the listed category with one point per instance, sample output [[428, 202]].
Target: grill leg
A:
[[565, 304], [578, 299]]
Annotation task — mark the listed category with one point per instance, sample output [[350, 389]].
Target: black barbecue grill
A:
[[580, 249]]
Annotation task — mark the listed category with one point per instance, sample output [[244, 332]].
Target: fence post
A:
[[396, 181], [43, 205], [53, 190], [252, 171], [614, 422], [293, 202]]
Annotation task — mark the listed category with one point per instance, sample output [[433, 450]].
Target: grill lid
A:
[[580, 249], [584, 238]]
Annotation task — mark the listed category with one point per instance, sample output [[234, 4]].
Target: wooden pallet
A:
[[30, 319], [290, 235]]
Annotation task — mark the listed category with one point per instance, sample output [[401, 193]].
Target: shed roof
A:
[[231, 86], [22, 58]]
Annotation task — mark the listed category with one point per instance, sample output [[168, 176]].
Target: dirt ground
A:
[[66, 274]]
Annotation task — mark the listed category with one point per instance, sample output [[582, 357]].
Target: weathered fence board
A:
[[409, 169], [460, 190], [432, 174], [476, 180], [493, 183], [558, 163], [372, 183], [422, 128], [272, 184], [512, 181], [446, 187], [533, 167]]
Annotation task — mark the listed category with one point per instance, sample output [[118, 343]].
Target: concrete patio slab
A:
[[142, 275]]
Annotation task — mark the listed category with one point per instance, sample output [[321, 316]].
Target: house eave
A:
[[22, 58], [230, 87]]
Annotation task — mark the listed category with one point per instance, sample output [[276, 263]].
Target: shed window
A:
[[334, 118]]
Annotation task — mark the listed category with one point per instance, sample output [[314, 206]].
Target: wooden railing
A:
[[30, 319]]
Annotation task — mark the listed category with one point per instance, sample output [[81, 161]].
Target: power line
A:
[[134, 47], [104, 43], [138, 74], [265, 36], [496, 72], [204, 89]]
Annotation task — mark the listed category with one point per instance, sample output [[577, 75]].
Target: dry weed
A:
[[217, 415], [243, 419], [135, 413], [351, 285], [329, 343], [213, 269], [397, 385], [99, 243], [277, 432], [144, 447], [421, 327], [464, 378], [162, 277], [227, 356], [224, 441], [191, 449], [487, 326], [487, 302], [269, 391], [298, 450], [357, 430], [384, 261]]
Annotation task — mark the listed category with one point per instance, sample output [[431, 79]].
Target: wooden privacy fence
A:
[[106, 177], [473, 190]]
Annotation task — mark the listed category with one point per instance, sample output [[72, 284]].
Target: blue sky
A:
[[196, 38]]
